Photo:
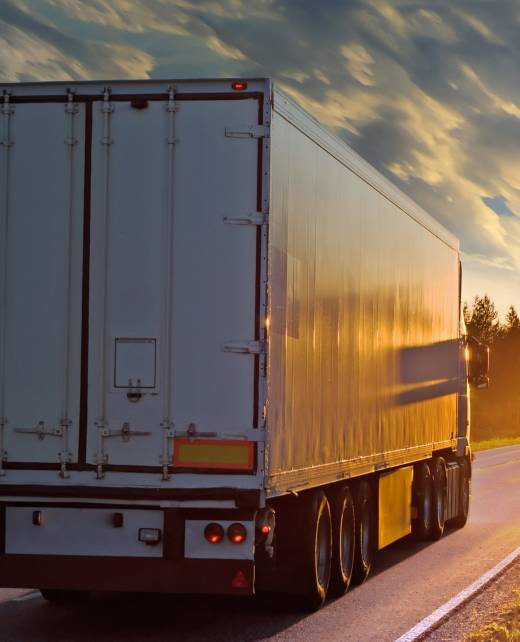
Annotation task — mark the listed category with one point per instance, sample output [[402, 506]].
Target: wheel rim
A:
[[322, 552], [346, 544], [365, 531]]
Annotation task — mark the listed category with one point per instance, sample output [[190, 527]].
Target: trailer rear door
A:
[[41, 229], [129, 276], [171, 282]]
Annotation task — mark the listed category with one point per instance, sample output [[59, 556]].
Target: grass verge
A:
[[506, 628], [485, 444]]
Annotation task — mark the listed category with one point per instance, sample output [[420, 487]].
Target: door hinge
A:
[[255, 131], [255, 218], [244, 347]]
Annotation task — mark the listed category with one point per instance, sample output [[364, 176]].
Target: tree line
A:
[[483, 323], [495, 411]]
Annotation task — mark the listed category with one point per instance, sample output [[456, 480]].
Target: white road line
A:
[[434, 619], [29, 596]]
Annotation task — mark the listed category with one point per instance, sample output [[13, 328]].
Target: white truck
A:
[[230, 350]]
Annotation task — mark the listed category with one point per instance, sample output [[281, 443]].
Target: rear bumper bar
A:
[[126, 574], [244, 498]]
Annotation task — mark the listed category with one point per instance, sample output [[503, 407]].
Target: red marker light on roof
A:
[[239, 85]]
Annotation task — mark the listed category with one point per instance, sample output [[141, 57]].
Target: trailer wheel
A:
[[343, 540], [464, 491], [422, 500], [313, 560], [365, 530], [439, 498], [61, 596]]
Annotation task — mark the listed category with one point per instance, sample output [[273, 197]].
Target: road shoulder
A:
[[483, 609]]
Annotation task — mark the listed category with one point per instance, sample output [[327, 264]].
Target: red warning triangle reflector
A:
[[239, 580]]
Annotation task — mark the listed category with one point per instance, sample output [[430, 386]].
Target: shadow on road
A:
[[401, 550]]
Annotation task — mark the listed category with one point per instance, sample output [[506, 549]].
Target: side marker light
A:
[[239, 85]]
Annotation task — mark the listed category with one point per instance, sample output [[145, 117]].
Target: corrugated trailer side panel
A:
[[364, 310]]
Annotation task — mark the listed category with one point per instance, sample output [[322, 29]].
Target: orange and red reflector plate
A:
[[224, 454]]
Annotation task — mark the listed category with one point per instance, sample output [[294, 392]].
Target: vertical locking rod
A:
[[7, 111], [106, 141], [71, 110], [167, 424]]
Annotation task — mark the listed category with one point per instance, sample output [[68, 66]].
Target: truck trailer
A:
[[231, 351]]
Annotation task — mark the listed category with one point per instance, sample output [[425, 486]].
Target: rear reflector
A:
[[212, 453], [239, 580]]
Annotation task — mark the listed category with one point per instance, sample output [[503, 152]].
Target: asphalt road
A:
[[410, 580]]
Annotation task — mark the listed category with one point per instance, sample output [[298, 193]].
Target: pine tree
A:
[[483, 323], [512, 321]]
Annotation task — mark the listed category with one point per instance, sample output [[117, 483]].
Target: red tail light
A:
[[237, 533], [265, 530], [214, 533]]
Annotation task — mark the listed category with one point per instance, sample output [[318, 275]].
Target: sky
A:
[[428, 92]]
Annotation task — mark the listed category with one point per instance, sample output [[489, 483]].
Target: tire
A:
[[439, 498], [343, 540], [61, 596], [365, 531], [464, 494], [313, 559], [422, 492]]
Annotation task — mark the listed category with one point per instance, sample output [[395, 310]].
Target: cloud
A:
[[33, 49], [224, 50], [480, 27], [498, 103], [359, 63], [175, 17]]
